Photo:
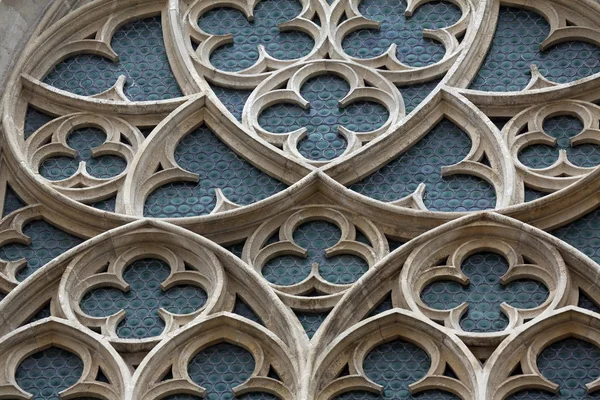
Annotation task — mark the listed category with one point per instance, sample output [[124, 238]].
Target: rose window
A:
[[300, 199]]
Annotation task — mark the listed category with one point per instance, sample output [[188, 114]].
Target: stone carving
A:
[[303, 200]]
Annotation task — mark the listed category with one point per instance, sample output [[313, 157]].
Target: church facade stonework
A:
[[300, 199]]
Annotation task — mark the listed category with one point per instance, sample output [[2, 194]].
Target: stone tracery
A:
[[317, 166]]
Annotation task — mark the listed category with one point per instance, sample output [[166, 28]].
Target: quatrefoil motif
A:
[[142, 301], [571, 364], [564, 129], [252, 35], [85, 142], [400, 35], [485, 293], [325, 119], [318, 239]]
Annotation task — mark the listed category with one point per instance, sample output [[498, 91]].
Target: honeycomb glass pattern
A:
[[142, 60], [203, 153], [445, 144], [321, 120], [405, 32], [315, 237], [105, 205], [12, 202], [49, 372], [532, 194], [515, 47], [395, 365], [571, 363], [563, 128], [311, 321], [220, 368], [233, 99], [583, 234], [143, 299], [47, 242], [484, 293], [83, 141], [248, 35], [413, 95], [34, 120]]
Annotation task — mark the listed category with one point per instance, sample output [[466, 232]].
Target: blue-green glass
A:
[[143, 299], [34, 120], [484, 293], [413, 95], [515, 47], [532, 194], [445, 144], [247, 35], [48, 372], [395, 365], [571, 363], [12, 202], [83, 141], [236, 249], [43, 313], [257, 396], [203, 153], [233, 99], [384, 305], [563, 128], [47, 242], [243, 309], [315, 237], [105, 205], [583, 234], [311, 321], [321, 120], [142, 59], [586, 302], [220, 368], [405, 32]]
